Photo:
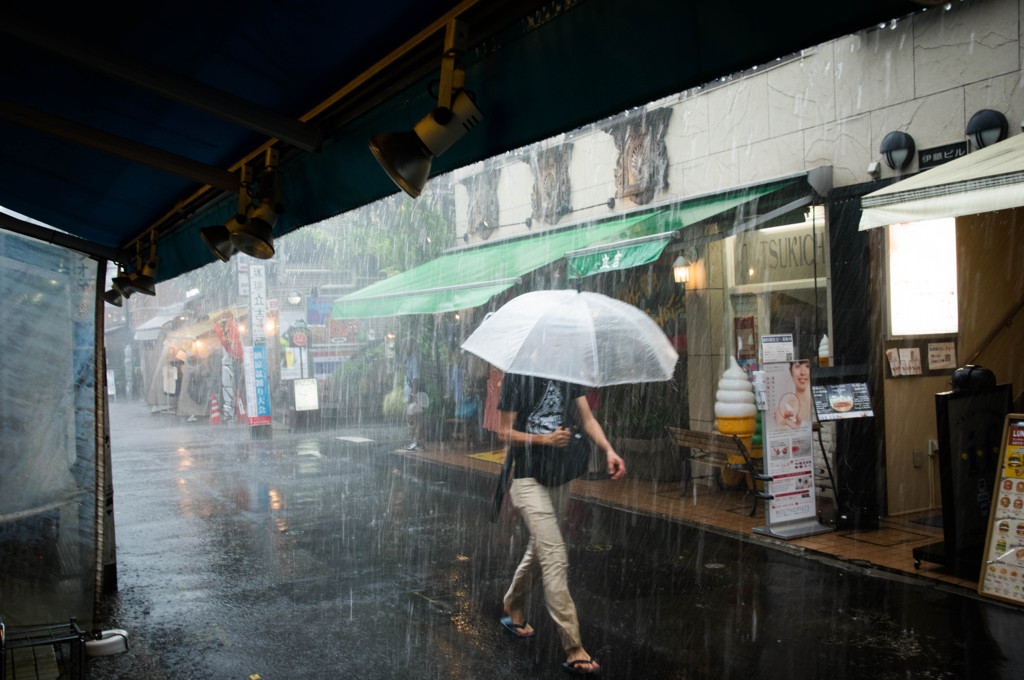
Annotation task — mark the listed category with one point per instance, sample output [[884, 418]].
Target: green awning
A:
[[622, 255], [643, 249], [469, 278]]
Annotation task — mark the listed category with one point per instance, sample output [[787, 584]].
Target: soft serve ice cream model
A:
[[824, 352], [735, 411]]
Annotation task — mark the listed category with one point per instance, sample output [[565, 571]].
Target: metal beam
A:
[[119, 146], [57, 238], [167, 84]]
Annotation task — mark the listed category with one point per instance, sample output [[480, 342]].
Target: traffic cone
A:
[[214, 410]]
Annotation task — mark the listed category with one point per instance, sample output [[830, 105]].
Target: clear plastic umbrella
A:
[[584, 338]]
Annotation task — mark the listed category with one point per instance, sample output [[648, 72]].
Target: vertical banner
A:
[[258, 304], [227, 386], [227, 331], [257, 385], [242, 277]]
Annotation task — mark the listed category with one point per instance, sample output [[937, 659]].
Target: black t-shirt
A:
[[541, 406]]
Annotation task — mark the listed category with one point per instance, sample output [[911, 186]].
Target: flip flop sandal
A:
[[515, 628], [573, 667]]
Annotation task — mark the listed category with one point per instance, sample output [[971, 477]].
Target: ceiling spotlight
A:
[[254, 235], [898, 150], [143, 283], [218, 239], [122, 284], [986, 127], [142, 278], [406, 156], [112, 297]]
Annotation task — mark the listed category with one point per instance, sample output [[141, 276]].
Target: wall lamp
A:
[[681, 270], [406, 156], [682, 267], [986, 127], [898, 150]]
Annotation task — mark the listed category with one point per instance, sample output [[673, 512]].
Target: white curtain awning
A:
[[986, 180], [151, 330]]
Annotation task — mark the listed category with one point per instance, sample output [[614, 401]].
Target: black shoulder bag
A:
[[557, 466], [561, 466], [503, 485]]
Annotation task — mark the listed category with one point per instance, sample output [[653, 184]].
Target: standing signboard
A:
[[307, 397], [791, 510], [1002, 574]]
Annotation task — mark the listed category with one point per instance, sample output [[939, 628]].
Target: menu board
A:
[[835, 402], [1003, 570], [306, 396]]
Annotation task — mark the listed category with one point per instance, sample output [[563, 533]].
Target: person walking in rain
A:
[[411, 390], [535, 415]]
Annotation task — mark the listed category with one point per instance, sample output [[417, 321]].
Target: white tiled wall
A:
[[831, 105]]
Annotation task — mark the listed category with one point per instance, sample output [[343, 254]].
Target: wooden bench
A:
[[714, 449]]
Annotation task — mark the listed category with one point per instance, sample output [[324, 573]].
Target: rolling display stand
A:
[[855, 459], [970, 426]]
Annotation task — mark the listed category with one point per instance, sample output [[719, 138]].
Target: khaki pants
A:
[[543, 508], [415, 423]]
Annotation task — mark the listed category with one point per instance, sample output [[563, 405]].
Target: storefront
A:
[[715, 272], [194, 360], [949, 241], [797, 265]]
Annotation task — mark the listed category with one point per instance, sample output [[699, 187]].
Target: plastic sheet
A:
[[48, 429]]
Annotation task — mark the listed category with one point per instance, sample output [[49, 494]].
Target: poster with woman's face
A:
[[789, 410], [793, 408], [788, 450]]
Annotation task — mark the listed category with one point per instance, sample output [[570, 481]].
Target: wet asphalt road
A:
[[311, 557]]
